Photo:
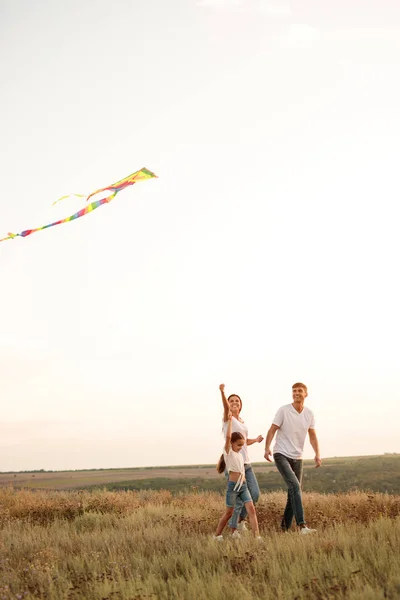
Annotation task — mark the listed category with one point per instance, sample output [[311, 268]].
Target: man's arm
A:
[[314, 443], [270, 436]]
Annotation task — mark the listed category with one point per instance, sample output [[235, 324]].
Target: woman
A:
[[232, 407]]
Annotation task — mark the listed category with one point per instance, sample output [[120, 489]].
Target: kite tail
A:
[[10, 236], [81, 213], [68, 196]]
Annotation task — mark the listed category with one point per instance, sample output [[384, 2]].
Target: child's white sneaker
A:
[[236, 535], [219, 538], [242, 526], [307, 530], [259, 539]]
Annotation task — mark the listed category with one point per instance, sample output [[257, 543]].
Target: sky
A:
[[265, 253]]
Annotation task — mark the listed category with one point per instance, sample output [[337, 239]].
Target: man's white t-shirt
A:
[[243, 429], [293, 428]]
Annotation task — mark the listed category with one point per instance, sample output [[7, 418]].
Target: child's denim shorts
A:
[[242, 493]]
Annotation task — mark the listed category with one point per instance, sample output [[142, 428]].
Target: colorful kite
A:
[[115, 187]]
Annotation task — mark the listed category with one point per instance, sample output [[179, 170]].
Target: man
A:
[[292, 422]]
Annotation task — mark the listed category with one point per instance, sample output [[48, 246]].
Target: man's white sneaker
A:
[[219, 538], [242, 526], [307, 530], [236, 535]]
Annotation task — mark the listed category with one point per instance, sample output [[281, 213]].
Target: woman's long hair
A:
[[221, 466], [241, 405]]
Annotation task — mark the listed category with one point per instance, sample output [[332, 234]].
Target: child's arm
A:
[[224, 402], [228, 435]]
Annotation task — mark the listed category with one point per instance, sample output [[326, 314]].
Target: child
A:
[[232, 460]]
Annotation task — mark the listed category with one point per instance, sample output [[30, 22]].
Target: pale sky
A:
[[265, 253]]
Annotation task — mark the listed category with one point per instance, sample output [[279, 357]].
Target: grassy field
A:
[[59, 480], [367, 473], [155, 545]]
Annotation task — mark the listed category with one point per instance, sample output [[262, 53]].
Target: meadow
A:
[[148, 545], [339, 474]]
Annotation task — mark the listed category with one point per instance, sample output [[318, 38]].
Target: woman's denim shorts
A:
[[242, 493]]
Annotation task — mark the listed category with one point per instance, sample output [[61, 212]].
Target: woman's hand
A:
[[251, 441], [222, 387]]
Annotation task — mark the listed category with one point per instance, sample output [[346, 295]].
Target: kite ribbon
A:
[[116, 187]]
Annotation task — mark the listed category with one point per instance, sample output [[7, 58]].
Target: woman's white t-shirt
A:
[[243, 429]]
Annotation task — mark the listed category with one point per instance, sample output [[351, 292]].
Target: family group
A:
[[291, 424]]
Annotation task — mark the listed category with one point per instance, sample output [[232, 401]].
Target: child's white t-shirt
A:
[[243, 429], [293, 428], [234, 462]]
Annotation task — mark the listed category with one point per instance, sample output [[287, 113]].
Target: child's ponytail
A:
[[221, 464]]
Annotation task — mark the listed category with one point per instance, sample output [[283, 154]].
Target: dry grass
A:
[[152, 545]]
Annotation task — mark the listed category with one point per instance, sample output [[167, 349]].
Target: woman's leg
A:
[[233, 523], [252, 518], [254, 489]]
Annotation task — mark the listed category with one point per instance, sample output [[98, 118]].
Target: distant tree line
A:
[[375, 474]]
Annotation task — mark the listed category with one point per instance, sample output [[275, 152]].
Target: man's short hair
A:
[[302, 385]]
